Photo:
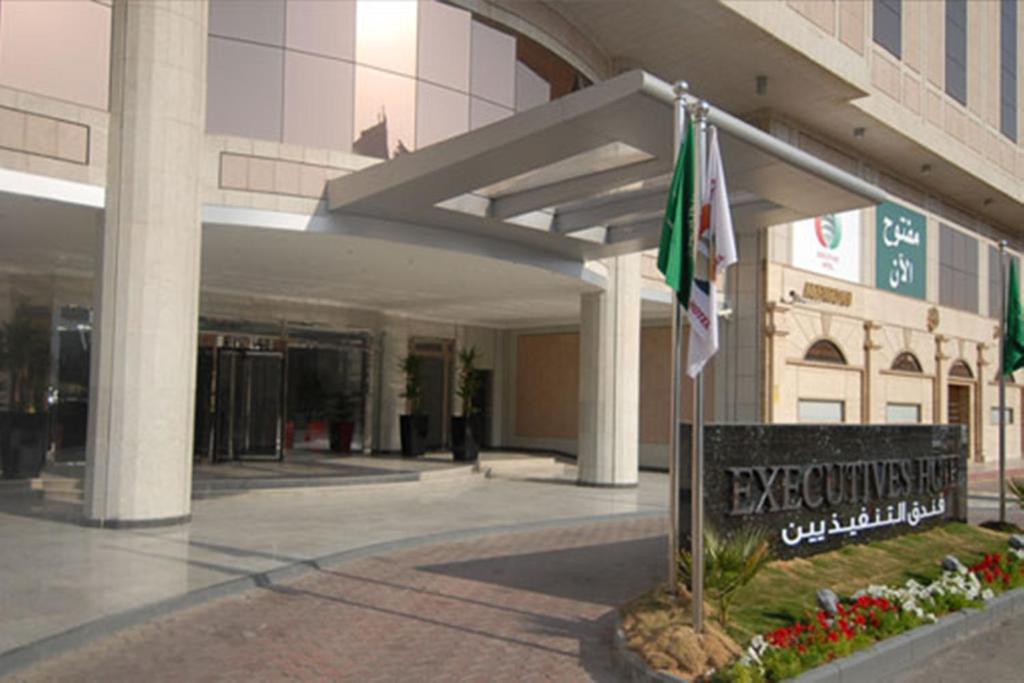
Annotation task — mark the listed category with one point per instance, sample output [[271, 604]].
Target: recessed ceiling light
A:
[[926, 169], [859, 132]]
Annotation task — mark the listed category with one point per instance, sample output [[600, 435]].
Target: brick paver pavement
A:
[[531, 606], [992, 656]]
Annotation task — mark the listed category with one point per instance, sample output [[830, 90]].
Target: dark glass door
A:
[[433, 403], [203, 431], [263, 394], [226, 404], [71, 411]]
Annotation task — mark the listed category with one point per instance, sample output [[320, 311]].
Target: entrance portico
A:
[[527, 221]]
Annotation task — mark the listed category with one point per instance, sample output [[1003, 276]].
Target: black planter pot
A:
[[414, 434], [466, 433], [23, 443]]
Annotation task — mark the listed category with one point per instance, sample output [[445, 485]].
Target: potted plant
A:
[[340, 423], [24, 430], [467, 429], [413, 425]]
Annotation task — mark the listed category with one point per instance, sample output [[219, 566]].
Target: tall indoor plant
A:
[[467, 429], [24, 429], [413, 424]]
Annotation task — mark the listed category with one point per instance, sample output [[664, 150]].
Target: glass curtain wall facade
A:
[[367, 77]]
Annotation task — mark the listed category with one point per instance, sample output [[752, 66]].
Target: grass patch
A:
[[785, 590]]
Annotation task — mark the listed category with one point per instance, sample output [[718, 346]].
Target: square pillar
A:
[[142, 394], [610, 378]]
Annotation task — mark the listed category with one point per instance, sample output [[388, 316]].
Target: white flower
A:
[[987, 594]]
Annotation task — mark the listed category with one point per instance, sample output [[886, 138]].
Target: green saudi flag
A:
[[1013, 340], [675, 252]]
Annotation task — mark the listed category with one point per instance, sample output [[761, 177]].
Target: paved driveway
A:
[[531, 606]]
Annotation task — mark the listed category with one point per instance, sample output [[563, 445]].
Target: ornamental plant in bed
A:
[[873, 614]]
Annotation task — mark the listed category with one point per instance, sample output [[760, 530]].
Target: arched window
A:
[[824, 351], [960, 369], [906, 362]]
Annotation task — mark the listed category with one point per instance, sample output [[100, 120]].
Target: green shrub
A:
[[730, 563]]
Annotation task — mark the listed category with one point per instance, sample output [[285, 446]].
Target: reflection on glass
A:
[[385, 120], [386, 35], [444, 45], [325, 385], [440, 114], [493, 66]]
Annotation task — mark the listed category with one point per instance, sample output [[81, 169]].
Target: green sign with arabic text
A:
[[901, 250]]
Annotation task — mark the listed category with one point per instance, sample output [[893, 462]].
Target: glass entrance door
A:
[[71, 409], [249, 401]]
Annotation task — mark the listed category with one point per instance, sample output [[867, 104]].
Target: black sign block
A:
[[813, 488]]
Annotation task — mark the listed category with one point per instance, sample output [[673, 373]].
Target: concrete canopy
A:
[[584, 177]]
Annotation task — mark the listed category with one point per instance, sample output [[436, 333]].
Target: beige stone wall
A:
[[908, 94], [274, 176], [655, 383], [45, 136], [547, 385], [871, 333]]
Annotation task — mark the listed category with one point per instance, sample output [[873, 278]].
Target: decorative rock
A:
[[828, 601], [950, 563], [1017, 542]]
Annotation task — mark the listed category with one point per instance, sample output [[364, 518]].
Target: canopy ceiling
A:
[[585, 176]]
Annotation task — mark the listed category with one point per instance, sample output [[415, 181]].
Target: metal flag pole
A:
[[702, 269], [1002, 382], [678, 116]]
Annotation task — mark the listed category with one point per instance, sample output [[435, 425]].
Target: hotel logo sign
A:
[[828, 245], [901, 247], [827, 295]]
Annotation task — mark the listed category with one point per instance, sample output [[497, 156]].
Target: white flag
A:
[[715, 218], [703, 312]]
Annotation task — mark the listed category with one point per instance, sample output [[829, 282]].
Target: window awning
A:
[[585, 176]]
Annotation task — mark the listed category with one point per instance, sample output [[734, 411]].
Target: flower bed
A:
[[873, 614]]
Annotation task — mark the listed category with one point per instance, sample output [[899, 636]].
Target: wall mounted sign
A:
[[827, 295], [901, 248], [818, 487], [829, 245]]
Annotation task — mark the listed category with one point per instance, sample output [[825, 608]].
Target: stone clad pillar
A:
[[610, 378], [394, 346], [142, 395]]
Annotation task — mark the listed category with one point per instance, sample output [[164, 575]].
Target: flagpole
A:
[[697, 428], [1002, 382], [679, 112]]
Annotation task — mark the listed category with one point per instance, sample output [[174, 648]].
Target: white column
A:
[[142, 397], [393, 347], [610, 378]]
